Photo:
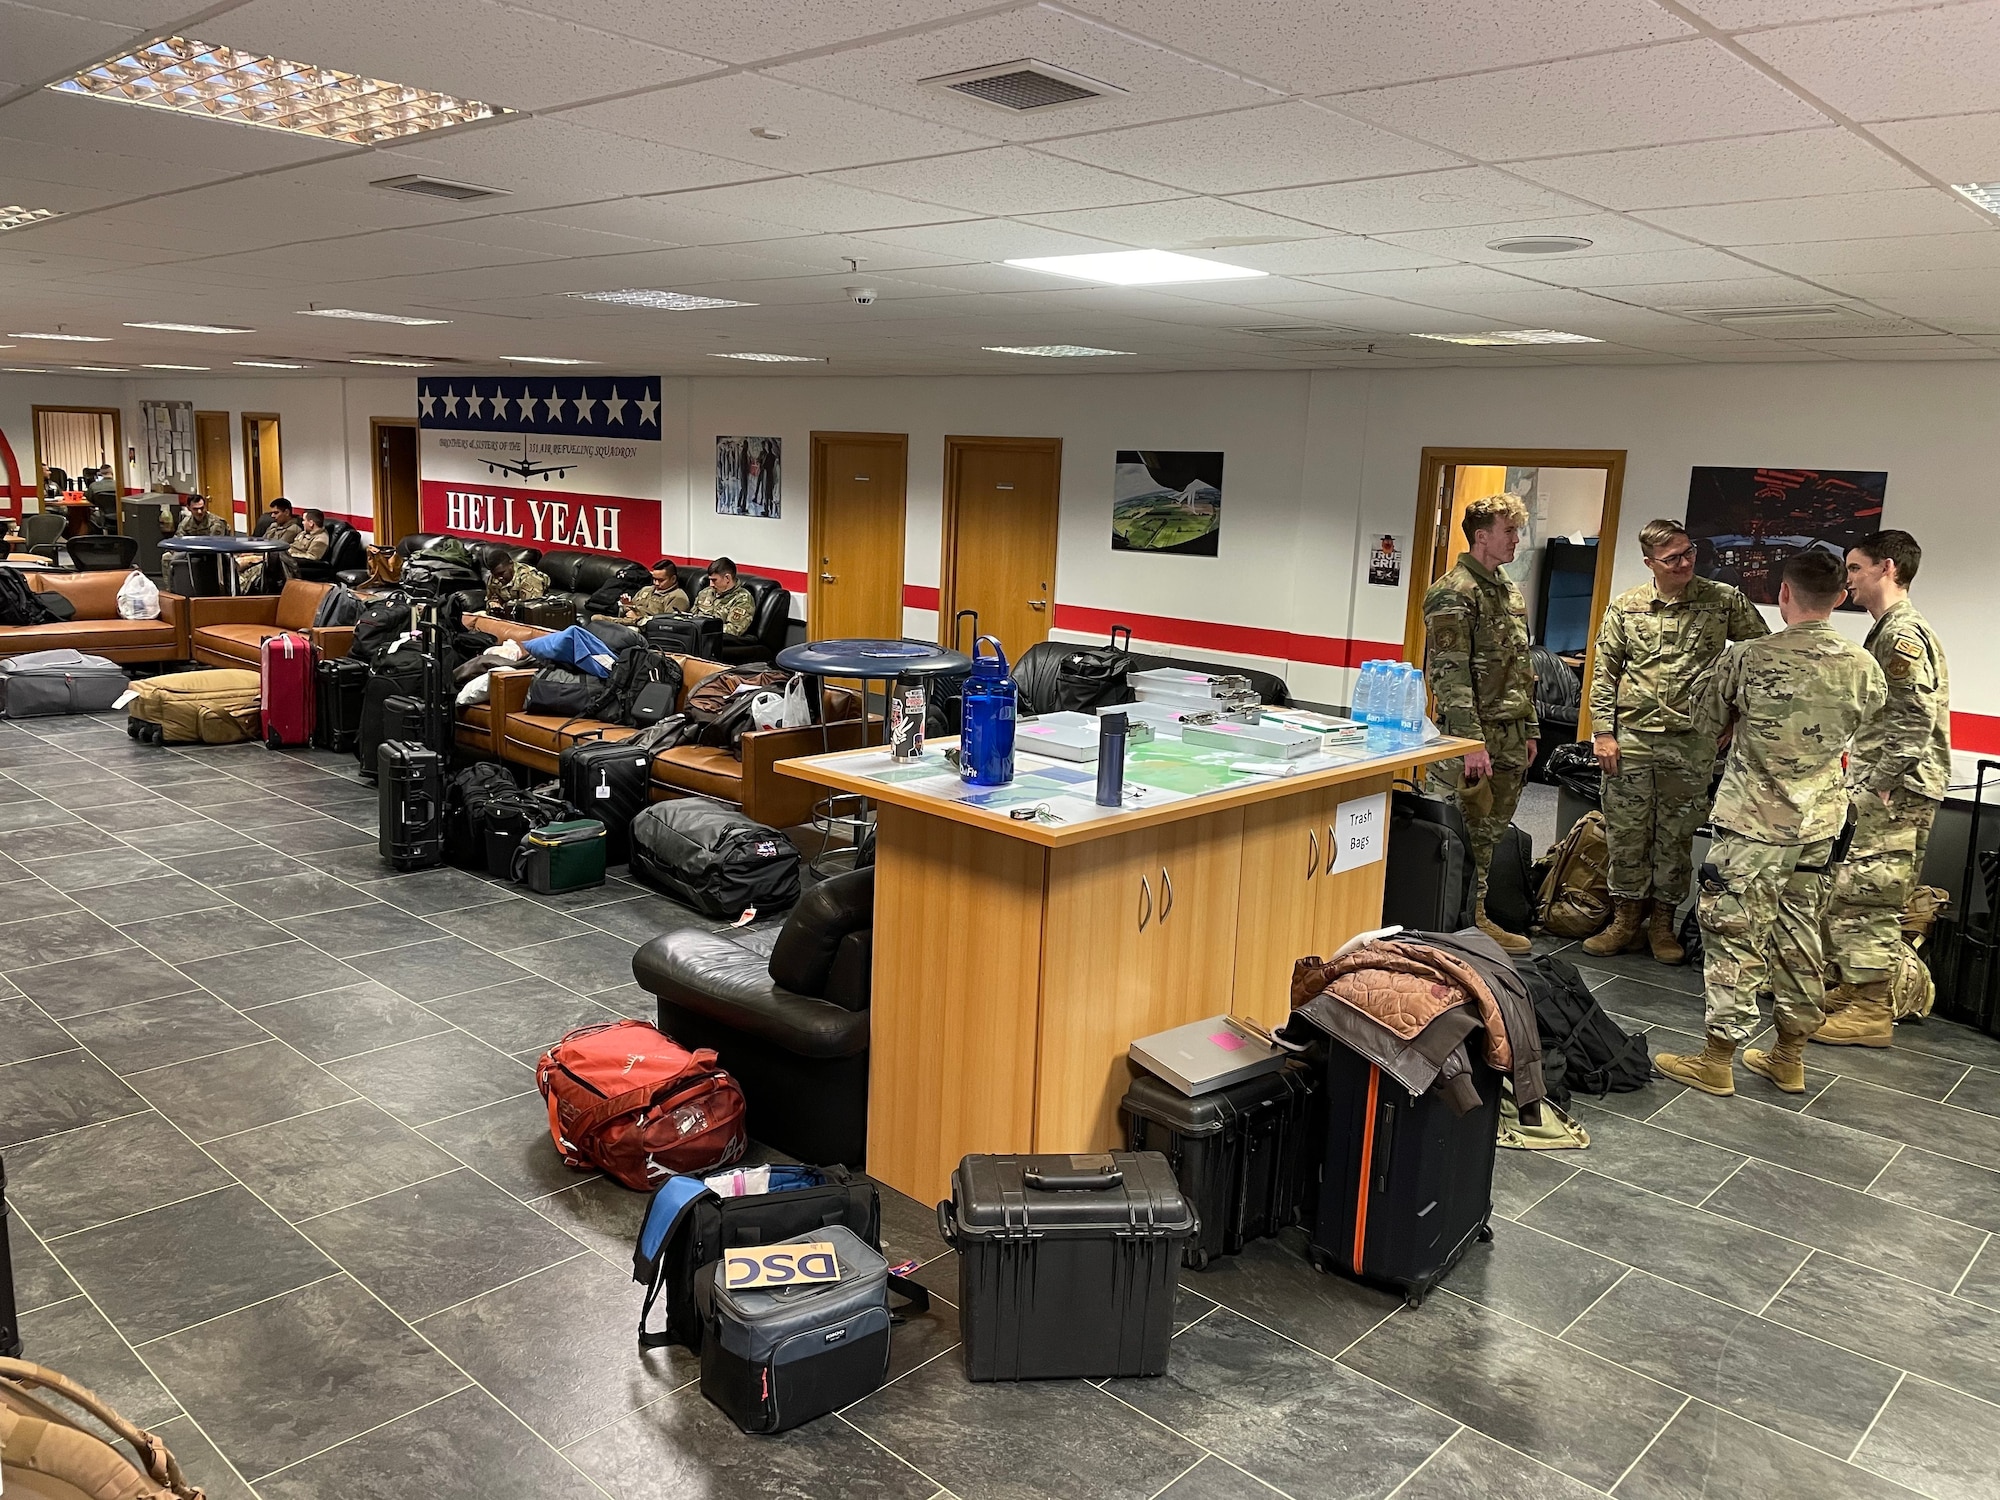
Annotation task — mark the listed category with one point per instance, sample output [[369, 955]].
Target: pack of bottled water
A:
[[1390, 698]]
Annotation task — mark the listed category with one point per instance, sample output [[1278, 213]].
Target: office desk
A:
[[1016, 961]]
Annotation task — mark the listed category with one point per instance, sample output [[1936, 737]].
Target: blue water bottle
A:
[[986, 727]]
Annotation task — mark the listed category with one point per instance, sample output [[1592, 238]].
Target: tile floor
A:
[[283, 1190]]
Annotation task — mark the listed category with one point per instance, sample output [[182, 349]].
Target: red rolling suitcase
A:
[[288, 689]]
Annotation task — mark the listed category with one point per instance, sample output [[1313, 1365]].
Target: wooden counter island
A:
[[1015, 961]]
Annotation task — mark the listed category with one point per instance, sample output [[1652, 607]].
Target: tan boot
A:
[[1784, 1064], [1711, 1072], [1624, 926], [1660, 937], [1866, 1022], [1838, 998], [1510, 942], [1637, 942]]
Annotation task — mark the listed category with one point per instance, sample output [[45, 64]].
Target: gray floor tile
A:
[[1790, 1139], [38, 1280], [597, 961], [172, 1267], [513, 923], [21, 899], [1853, 1225], [57, 838], [72, 1181], [1945, 1339], [91, 868], [136, 812], [340, 1023], [590, 898], [361, 865], [26, 1030], [1709, 1455], [1212, 1479], [558, 1350], [1982, 1281], [1980, 1090], [282, 971], [910, 1232], [1949, 1039], [1521, 1179], [199, 1460], [438, 1243], [465, 1447], [177, 840], [1890, 1067], [429, 891], [225, 929], [1627, 971], [1272, 1283], [1936, 1442], [426, 1080], [1711, 1254], [1472, 1467], [1632, 1151], [329, 1158], [600, 1213], [1761, 1371], [74, 1337], [290, 1377], [1939, 1185], [522, 1016], [437, 969], [360, 929], [62, 1091], [168, 895], [1543, 1282], [310, 833], [236, 866], [52, 939], [155, 1033], [296, 895], [508, 1143], [260, 1085], [640, 919], [1518, 1385], [82, 985], [19, 816], [1285, 1414]]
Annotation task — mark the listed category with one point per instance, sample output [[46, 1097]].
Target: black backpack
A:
[[18, 604], [1511, 883], [381, 624], [637, 668], [1597, 1057], [400, 673], [565, 693], [1092, 677], [466, 797], [1573, 767]]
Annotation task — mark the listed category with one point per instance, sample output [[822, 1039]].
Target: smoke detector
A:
[[1023, 85], [439, 187]]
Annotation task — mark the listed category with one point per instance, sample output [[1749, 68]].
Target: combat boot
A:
[[1625, 925], [1784, 1064], [1837, 999], [1510, 942], [1660, 937], [1710, 1071], [1866, 1022]]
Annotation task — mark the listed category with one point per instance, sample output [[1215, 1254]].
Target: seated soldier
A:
[[280, 524], [725, 599], [663, 596], [509, 582], [197, 520]]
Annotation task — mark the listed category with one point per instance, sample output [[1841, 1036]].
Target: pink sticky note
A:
[[1228, 1041]]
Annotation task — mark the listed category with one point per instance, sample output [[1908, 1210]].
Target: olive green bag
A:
[[561, 856]]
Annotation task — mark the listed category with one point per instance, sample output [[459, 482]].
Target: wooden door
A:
[[855, 585], [215, 471], [1001, 501], [396, 508], [263, 466]]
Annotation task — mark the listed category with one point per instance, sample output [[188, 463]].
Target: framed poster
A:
[[748, 474], [1746, 522], [1168, 502]]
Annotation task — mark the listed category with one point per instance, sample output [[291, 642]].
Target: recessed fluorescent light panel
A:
[[1052, 351], [21, 370], [774, 359], [173, 367], [223, 84], [191, 327], [1511, 336], [266, 364], [1984, 195], [64, 338], [102, 369], [13, 215], [401, 364], [543, 359], [369, 317], [659, 301], [1137, 268]]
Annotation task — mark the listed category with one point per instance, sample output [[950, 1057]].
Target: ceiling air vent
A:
[[438, 187], [1322, 339], [1023, 85], [1800, 312]]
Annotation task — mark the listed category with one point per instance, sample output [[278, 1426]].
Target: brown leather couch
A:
[[503, 727], [230, 632], [97, 629]]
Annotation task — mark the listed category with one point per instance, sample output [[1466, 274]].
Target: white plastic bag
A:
[[138, 597], [479, 690], [767, 711], [798, 702]]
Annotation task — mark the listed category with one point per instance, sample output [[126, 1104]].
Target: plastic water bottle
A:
[[1419, 704], [1409, 707], [1382, 706], [1364, 692]]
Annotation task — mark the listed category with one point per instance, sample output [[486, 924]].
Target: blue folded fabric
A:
[[573, 646]]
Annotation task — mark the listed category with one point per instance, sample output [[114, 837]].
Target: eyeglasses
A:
[[1676, 559]]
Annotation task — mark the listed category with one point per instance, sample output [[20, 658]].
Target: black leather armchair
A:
[[345, 552], [767, 627], [793, 1029]]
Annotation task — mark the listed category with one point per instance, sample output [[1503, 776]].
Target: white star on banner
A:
[[454, 400], [616, 406], [428, 401], [647, 406], [583, 406]]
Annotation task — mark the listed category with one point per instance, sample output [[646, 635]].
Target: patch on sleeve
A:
[[1910, 646], [1900, 668], [1447, 632]]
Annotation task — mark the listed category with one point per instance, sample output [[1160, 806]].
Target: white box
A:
[[1207, 1055], [1270, 741]]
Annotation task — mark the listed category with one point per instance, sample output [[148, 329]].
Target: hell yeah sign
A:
[[563, 464]]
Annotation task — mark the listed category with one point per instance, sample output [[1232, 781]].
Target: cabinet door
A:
[[1347, 901], [1277, 923]]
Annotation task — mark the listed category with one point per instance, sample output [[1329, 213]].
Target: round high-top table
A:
[[219, 547]]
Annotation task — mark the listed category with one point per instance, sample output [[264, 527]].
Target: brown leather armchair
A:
[[230, 632]]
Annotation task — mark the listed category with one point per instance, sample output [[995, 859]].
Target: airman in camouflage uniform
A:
[[1655, 650], [1901, 767], [1483, 684], [723, 598], [1797, 700], [509, 582]]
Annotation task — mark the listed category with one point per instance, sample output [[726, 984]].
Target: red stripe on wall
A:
[[791, 578], [919, 596], [1976, 732], [1239, 640], [15, 489]]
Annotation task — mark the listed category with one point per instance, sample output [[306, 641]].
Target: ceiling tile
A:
[[1330, 256], [1423, 285], [1634, 270], [133, 15], [747, 30], [393, 253], [1823, 259], [1423, 200], [1685, 91], [1837, 216], [40, 192], [1346, 44], [1961, 148], [42, 45], [1275, 146], [1739, 15], [1745, 291], [1608, 235], [1178, 224], [821, 131], [1934, 61], [213, 146], [521, 61], [664, 220], [989, 240], [530, 233], [823, 205], [1797, 163], [1004, 180], [1157, 84]]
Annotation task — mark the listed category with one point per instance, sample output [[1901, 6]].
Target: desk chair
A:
[[43, 531], [98, 554]]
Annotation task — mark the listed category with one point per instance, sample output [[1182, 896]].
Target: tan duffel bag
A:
[[214, 707], [45, 1454]]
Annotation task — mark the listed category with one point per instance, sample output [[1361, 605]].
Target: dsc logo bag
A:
[[627, 1100]]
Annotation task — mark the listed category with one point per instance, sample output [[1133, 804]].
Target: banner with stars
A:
[[563, 463]]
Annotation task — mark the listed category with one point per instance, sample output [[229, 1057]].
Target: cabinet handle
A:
[[1312, 853], [1167, 893], [1146, 904], [1331, 852]]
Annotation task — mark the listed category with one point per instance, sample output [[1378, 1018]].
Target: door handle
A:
[[1146, 903], [826, 578], [1312, 853], [1038, 604], [1167, 897], [1331, 852]]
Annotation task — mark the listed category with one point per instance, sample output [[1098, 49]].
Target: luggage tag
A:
[[780, 1265]]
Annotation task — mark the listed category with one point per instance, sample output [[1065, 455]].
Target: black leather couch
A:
[[793, 1029], [578, 575]]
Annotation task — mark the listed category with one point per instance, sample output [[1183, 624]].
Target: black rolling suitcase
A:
[[466, 797], [1405, 1184], [1428, 885], [10, 1319], [1067, 1265], [1242, 1154], [407, 717], [410, 802], [508, 817], [342, 684], [610, 780], [684, 635]]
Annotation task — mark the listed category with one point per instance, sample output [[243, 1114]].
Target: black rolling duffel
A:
[[609, 780], [1428, 885], [342, 684], [715, 859], [684, 635], [1092, 677], [410, 803], [1067, 1265], [465, 800]]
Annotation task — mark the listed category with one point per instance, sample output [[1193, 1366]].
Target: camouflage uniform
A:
[[654, 600], [736, 609], [526, 583], [1798, 698], [1906, 753], [1653, 659], [209, 525], [1483, 683]]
